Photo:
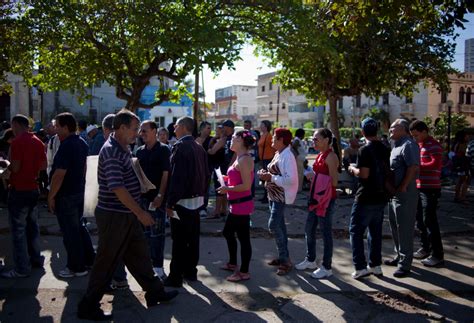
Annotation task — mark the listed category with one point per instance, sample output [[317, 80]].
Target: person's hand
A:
[[157, 201], [51, 204], [169, 213], [222, 189], [145, 218], [310, 176], [267, 177]]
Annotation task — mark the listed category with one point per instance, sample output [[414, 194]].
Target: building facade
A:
[[272, 100], [469, 55], [236, 102]]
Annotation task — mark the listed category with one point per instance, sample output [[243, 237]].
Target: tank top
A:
[[320, 167], [235, 178]]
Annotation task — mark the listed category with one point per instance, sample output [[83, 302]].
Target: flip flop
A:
[[274, 262], [238, 276], [229, 267]]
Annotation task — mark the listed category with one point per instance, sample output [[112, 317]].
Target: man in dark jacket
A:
[[187, 186]]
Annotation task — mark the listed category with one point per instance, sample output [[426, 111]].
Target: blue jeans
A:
[[23, 218], [277, 226], [326, 228], [156, 234], [365, 216], [76, 238]]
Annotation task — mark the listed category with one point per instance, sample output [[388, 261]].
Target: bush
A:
[[346, 133]]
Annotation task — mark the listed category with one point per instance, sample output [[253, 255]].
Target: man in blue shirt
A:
[[66, 197], [96, 139]]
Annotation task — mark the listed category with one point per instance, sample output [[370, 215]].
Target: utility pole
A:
[[450, 105], [278, 106], [196, 95]]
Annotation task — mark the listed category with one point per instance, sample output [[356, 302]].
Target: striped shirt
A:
[[431, 154], [115, 171]]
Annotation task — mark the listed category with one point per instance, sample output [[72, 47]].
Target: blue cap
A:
[[369, 125]]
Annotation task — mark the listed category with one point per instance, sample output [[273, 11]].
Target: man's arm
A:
[[409, 176], [161, 191], [127, 200], [56, 182], [219, 144]]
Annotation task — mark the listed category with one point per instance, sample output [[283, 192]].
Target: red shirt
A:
[[431, 155], [30, 152], [320, 167]]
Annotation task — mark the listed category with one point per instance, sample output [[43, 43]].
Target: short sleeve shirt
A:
[[71, 156], [154, 162], [31, 153], [406, 153], [115, 171]]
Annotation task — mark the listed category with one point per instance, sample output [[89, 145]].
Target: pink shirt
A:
[[235, 178]]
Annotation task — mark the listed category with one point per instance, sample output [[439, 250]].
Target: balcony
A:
[[407, 109], [466, 108]]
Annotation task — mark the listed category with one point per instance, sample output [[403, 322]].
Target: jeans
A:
[[427, 222], [76, 238], [277, 226], [240, 225], [326, 229], [365, 216], [23, 218], [401, 214], [156, 234]]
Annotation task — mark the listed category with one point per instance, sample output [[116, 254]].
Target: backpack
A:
[[383, 175]]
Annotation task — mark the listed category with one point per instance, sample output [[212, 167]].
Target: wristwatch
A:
[[159, 195]]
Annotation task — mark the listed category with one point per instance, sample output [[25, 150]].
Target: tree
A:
[[382, 116], [73, 45], [439, 127], [331, 49]]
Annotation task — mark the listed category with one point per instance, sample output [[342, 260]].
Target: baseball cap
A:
[[90, 128], [228, 123], [369, 125]]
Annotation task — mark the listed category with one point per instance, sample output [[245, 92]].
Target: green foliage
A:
[[346, 133], [308, 125], [439, 127], [340, 117], [125, 43]]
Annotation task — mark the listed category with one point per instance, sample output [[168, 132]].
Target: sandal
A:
[[284, 269], [238, 276], [229, 267], [274, 262]]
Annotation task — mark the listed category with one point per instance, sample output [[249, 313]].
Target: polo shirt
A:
[[154, 162], [71, 156], [30, 151], [431, 161], [115, 171], [405, 154]]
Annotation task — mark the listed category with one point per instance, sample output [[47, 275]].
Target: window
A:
[[358, 101], [160, 121], [468, 95], [340, 104], [263, 88], [270, 105], [461, 95], [444, 97], [385, 99], [408, 100], [283, 106], [270, 86]]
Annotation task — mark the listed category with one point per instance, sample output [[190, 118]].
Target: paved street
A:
[[428, 294]]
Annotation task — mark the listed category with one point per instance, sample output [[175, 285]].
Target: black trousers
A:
[[121, 237], [185, 250], [427, 222], [240, 225]]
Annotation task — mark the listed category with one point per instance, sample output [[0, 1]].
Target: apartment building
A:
[[236, 102]]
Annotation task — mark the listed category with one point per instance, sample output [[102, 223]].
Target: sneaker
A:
[[160, 273], [119, 285], [432, 261], [67, 273], [391, 262], [421, 254], [360, 273], [377, 270], [321, 272], [11, 274], [401, 273], [306, 264]]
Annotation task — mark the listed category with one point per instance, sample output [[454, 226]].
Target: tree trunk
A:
[[196, 95], [334, 118]]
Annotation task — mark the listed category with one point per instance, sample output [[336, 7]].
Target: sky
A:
[[247, 69]]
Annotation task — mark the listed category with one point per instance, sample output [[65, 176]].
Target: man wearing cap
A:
[[107, 125], [405, 164], [96, 139], [369, 202], [228, 132]]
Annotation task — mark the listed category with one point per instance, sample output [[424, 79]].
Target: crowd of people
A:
[[181, 162]]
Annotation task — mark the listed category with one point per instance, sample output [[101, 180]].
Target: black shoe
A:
[[161, 298], [391, 262], [168, 282], [400, 273], [190, 278], [92, 313]]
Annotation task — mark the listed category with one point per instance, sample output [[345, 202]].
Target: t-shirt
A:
[[30, 152], [71, 156], [369, 156], [406, 153], [154, 162], [114, 171]]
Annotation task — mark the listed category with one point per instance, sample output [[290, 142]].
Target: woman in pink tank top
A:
[[238, 188]]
